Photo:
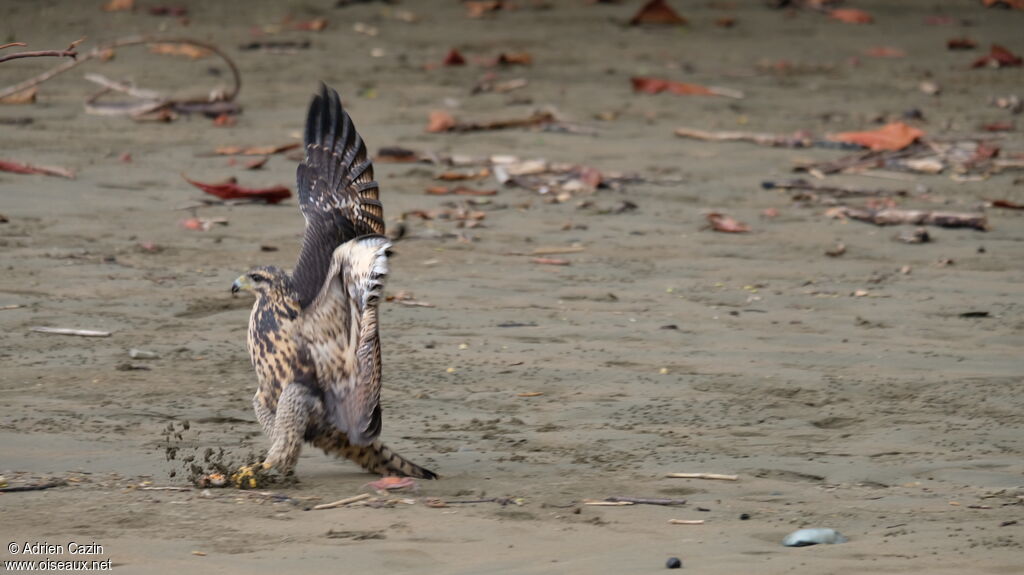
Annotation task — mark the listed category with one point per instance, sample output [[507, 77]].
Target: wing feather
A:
[[337, 193]]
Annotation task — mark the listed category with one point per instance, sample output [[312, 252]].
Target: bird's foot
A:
[[250, 476]]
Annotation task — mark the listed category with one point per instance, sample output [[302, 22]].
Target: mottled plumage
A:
[[313, 334]]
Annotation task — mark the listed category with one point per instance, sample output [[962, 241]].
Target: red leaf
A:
[[19, 168], [230, 190], [998, 57], [657, 12], [724, 223], [851, 16], [895, 136], [454, 59], [657, 85]]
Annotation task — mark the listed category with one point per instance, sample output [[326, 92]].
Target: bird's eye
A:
[[256, 277]]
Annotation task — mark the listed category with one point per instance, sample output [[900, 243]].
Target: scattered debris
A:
[[342, 502], [392, 483], [444, 122], [718, 476], [805, 537], [686, 522], [998, 57], [893, 216], [649, 85], [851, 16], [836, 251], [68, 52], [268, 150], [723, 223], [142, 354], [37, 487], [895, 136], [19, 168], [915, 236]]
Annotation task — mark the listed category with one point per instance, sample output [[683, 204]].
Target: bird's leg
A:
[[287, 431]]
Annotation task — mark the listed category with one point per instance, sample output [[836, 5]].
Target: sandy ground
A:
[[886, 416]]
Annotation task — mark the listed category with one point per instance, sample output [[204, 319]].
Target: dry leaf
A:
[[255, 150], [650, 85], [657, 12], [440, 121], [23, 97], [225, 120], [316, 25], [514, 58], [892, 137], [530, 394], [962, 43], [885, 52], [186, 50], [724, 223], [119, 5], [392, 483], [851, 16], [230, 190], [998, 57], [394, 154], [19, 168], [454, 59], [481, 9]]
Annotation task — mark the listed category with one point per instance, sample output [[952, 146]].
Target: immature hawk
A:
[[313, 334]]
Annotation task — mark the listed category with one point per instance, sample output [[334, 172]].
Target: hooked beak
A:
[[242, 283]]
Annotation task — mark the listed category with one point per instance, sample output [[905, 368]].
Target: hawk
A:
[[313, 334]]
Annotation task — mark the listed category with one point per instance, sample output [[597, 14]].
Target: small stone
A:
[[744, 516], [673, 563]]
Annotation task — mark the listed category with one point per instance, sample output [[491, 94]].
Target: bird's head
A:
[[261, 281]]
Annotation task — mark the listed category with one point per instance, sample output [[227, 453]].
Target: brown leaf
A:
[[657, 12], [225, 120], [885, 52], [118, 6], [649, 85], [894, 136], [998, 57], [454, 59], [257, 164], [724, 223], [255, 150], [185, 50], [1007, 204], [230, 190], [316, 25], [440, 122], [481, 9], [397, 155], [514, 59], [961, 43], [19, 168], [177, 11], [851, 16], [23, 97]]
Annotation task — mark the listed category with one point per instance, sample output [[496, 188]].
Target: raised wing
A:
[[337, 193], [339, 329]]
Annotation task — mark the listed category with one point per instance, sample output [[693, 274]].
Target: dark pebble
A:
[[673, 563], [744, 516]]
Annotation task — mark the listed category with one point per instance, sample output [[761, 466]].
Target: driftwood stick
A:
[[761, 138], [67, 53], [39, 487], [686, 522], [835, 191], [703, 476], [67, 331], [122, 43], [647, 501], [342, 502], [893, 217]]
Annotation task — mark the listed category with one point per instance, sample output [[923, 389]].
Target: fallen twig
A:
[[342, 502], [165, 488], [761, 138], [686, 522], [703, 476], [11, 306], [892, 217], [69, 52], [39, 487], [99, 51], [834, 191], [647, 500], [67, 331]]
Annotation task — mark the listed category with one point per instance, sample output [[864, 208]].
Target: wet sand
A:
[[887, 416]]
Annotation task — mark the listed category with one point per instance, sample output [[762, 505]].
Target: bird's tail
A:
[[375, 457]]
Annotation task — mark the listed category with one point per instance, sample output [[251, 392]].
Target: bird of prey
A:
[[313, 334]]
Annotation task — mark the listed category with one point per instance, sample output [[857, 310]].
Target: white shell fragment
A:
[[142, 354], [805, 537]]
